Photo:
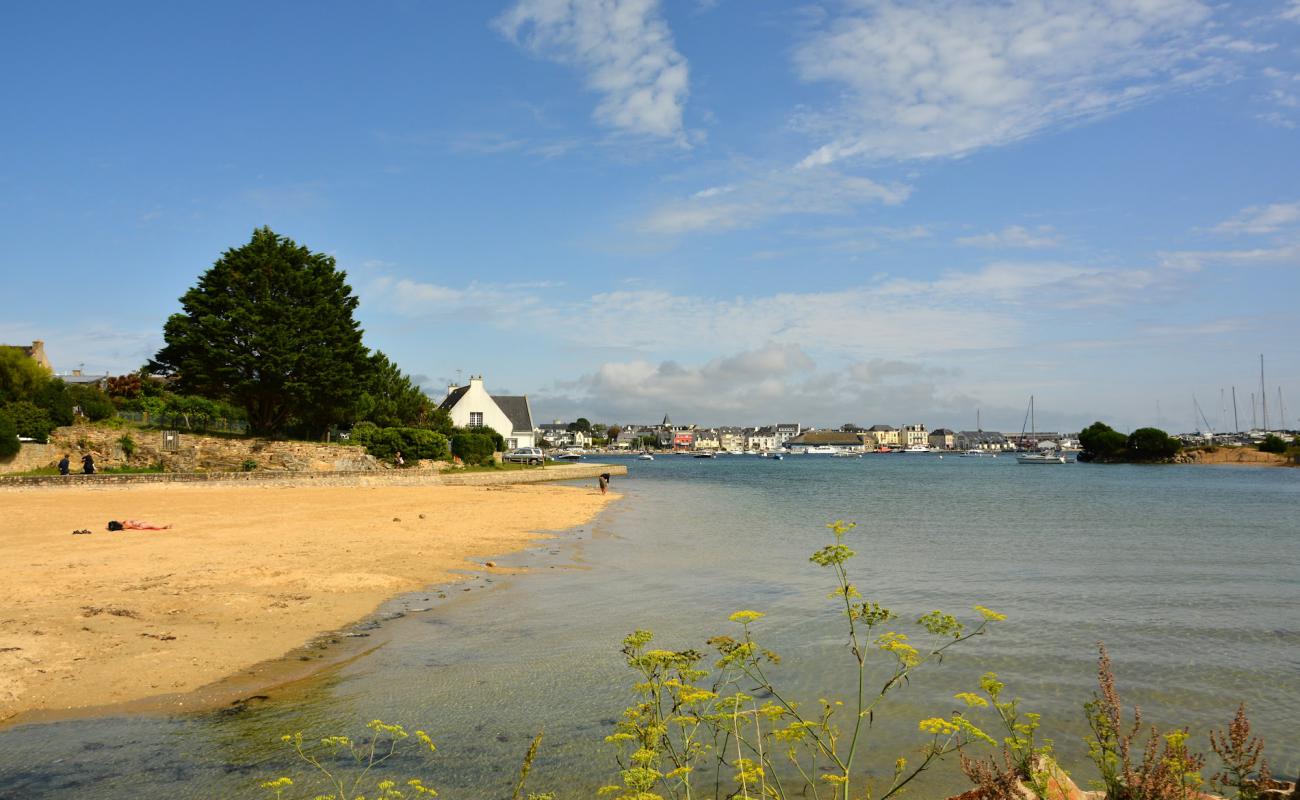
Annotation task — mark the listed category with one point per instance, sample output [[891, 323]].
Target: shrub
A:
[[1151, 444], [1273, 444], [125, 386], [9, 444], [1171, 772], [127, 444], [363, 432], [422, 443], [30, 420], [94, 404], [1101, 442], [414, 443], [473, 446], [53, 396], [249, 465]]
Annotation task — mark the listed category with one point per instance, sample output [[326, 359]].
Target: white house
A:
[[509, 415]]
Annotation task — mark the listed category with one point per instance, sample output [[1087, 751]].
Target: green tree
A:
[[270, 328], [1272, 444], [613, 432], [20, 375], [413, 443], [1151, 444], [54, 397], [439, 421], [580, 424], [391, 398], [9, 444], [476, 445], [30, 419], [93, 402], [1101, 442]]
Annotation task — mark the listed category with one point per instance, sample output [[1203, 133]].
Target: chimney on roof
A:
[[38, 353]]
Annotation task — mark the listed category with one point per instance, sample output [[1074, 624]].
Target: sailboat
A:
[[1046, 455]]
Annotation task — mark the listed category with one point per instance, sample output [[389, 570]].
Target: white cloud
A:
[[1020, 284], [940, 78], [767, 195], [958, 311], [1014, 236], [1292, 12], [761, 385], [1261, 219], [624, 48], [97, 349], [410, 298], [1283, 255]]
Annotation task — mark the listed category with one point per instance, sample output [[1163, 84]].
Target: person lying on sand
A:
[[135, 525]]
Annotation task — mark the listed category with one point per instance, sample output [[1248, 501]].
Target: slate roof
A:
[[515, 407], [453, 398], [825, 437], [881, 428]]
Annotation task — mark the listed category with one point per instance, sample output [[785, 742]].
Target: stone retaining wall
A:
[[31, 456], [558, 472], [196, 453]]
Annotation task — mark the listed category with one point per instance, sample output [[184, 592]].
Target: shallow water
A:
[[1191, 575]]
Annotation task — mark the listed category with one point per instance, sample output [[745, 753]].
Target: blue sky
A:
[[730, 211]]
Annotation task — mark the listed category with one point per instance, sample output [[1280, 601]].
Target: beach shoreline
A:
[[253, 587]]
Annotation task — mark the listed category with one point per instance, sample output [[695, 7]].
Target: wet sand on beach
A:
[[246, 574]]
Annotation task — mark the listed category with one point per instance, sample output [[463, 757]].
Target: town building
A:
[[942, 439], [785, 431], [840, 440], [761, 439], [471, 406], [731, 438], [707, 439], [981, 440], [882, 435], [35, 351], [559, 435], [913, 435]]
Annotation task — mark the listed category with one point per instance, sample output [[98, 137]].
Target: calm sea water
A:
[[1191, 575]]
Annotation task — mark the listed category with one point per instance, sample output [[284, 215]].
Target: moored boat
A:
[[1045, 457]]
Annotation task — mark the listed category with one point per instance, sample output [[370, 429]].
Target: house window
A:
[[476, 419]]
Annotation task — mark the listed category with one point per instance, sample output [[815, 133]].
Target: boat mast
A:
[[1263, 395], [1254, 418], [1236, 426]]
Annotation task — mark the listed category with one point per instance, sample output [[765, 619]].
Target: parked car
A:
[[525, 455]]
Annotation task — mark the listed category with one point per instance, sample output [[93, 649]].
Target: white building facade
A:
[[509, 415]]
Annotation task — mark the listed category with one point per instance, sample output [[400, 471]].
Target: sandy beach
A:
[[246, 574]]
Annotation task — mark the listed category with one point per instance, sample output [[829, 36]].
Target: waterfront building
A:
[[471, 406], [913, 435], [883, 435], [840, 440], [559, 435], [706, 440], [785, 431], [761, 439], [981, 440], [943, 439], [731, 438]]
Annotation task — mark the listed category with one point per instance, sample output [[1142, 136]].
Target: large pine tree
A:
[[270, 328]]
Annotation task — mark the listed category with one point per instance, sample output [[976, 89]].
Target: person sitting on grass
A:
[[135, 525]]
